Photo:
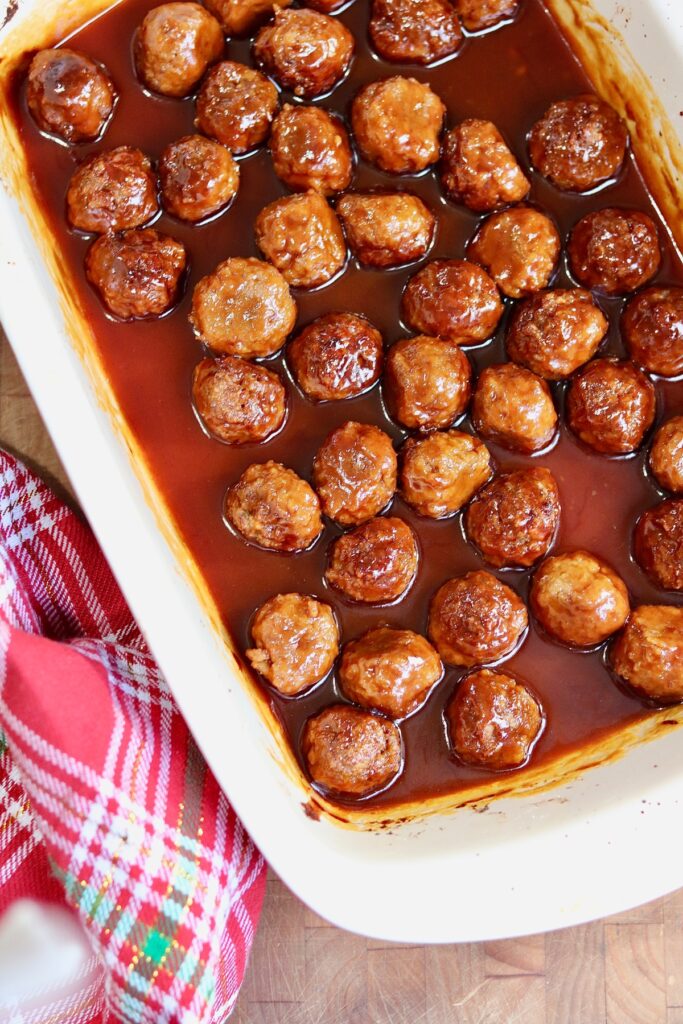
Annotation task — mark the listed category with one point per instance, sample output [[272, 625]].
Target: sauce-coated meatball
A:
[[648, 655], [478, 169], [397, 123], [452, 299], [493, 721], [305, 51], [354, 472], [475, 619], [112, 191], [198, 178], [652, 327], [302, 237], [519, 248], [69, 95], [350, 751], [611, 406], [478, 15], [138, 274], [337, 356], [375, 563], [273, 507], [296, 641], [311, 149], [236, 106], [386, 229], [441, 472], [555, 332], [174, 46], [514, 408], [514, 519], [390, 670], [614, 251], [414, 31], [243, 308], [241, 17], [427, 382], [666, 455], [578, 598], [658, 544], [238, 402]]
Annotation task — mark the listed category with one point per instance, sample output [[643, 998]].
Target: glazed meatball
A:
[[519, 248], [514, 519], [311, 150], [478, 15], [578, 143], [452, 299], [351, 752], [375, 563], [427, 382], [386, 229], [478, 169], [302, 237], [441, 472], [296, 641], [614, 251], [354, 473], [238, 402], [555, 332], [648, 655], [390, 670], [514, 408], [112, 191], [337, 356], [174, 46], [305, 51], [578, 599], [397, 123], [273, 507], [243, 308], [611, 406], [658, 544], [138, 274], [69, 95], [414, 31], [242, 17], [493, 721], [475, 619], [198, 178], [666, 455], [236, 106], [652, 327]]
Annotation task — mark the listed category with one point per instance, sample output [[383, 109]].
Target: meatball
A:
[[652, 327], [478, 15], [236, 106], [243, 308], [414, 31], [337, 356], [658, 544], [478, 169], [611, 406], [452, 299], [519, 248], [273, 507], [138, 274], [514, 519], [386, 229], [296, 641], [174, 46], [198, 178], [112, 191], [666, 455], [305, 51], [302, 237], [578, 143], [427, 382], [390, 670], [238, 402], [493, 721], [648, 655], [441, 472], [578, 598], [354, 473], [397, 123], [614, 251], [555, 332], [311, 150], [474, 619], [514, 408], [69, 95], [242, 17], [375, 563], [351, 752]]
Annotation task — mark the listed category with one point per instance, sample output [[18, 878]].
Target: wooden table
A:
[[626, 969]]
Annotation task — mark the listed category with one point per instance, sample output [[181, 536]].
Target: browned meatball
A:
[[305, 51], [386, 229], [514, 408], [296, 641], [478, 169], [555, 332], [478, 15], [652, 327], [354, 472], [138, 274], [302, 237], [611, 406], [452, 299], [69, 95], [241, 17], [351, 752], [427, 382], [441, 472], [414, 31], [390, 670], [243, 308], [311, 149], [578, 598], [174, 46], [112, 191], [658, 544], [375, 563], [648, 655], [666, 455], [236, 106], [198, 178], [474, 619], [337, 356], [238, 402], [578, 143], [519, 248], [514, 519], [273, 507], [614, 251], [397, 123]]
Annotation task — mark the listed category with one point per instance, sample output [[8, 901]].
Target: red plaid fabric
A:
[[105, 802]]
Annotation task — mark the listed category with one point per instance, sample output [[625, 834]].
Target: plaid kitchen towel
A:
[[105, 802]]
